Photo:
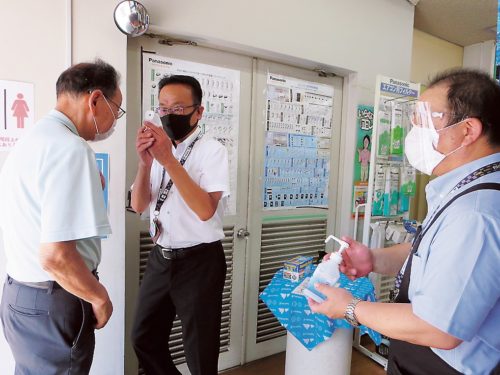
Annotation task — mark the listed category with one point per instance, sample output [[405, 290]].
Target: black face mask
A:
[[178, 126]]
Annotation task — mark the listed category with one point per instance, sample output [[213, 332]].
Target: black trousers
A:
[[50, 331], [190, 287]]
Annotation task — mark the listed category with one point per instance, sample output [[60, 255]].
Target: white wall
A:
[[361, 37], [480, 56], [364, 36], [431, 55], [34, 49], [21, 52]]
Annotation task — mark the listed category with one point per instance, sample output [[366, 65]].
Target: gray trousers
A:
[[49, 331]]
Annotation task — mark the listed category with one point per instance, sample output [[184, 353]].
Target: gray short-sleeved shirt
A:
[[50, 191]]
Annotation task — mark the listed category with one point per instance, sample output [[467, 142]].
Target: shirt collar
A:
[[437, 189], [63, 119], [181, 147]]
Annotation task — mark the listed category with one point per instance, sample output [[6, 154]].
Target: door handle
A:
[[242, 233]]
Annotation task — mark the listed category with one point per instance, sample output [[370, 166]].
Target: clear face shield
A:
[[421, 116], [422, 140]]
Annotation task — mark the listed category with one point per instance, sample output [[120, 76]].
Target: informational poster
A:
[[102, 160], [297, 146], [221, 99], [364, 126], [17, 111]]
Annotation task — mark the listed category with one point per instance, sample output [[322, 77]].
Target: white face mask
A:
[[102, 136], [422, 139]]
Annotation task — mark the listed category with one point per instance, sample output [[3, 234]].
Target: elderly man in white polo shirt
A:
[[183, 179], [52, 218]]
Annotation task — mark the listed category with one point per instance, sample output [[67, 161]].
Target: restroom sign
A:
[[16, 111]]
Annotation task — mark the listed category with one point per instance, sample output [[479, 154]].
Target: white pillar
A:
[[331, 357]]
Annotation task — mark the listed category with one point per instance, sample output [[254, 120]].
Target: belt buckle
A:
[[166, 252]]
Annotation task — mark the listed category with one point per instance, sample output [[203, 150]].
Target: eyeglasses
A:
[[120, 112], [175, 110]]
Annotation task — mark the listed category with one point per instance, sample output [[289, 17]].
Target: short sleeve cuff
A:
[[214, 188], [425, 309], [71, 235]]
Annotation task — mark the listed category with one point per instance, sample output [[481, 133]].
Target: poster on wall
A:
[[17, 111], [221, 99], [297, 145], [364, 127]]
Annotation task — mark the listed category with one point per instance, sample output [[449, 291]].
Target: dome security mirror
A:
[[131, 18]]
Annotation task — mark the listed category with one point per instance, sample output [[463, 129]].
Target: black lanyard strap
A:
[[480, 172], [402, 289], [163, 193], [483, 186]]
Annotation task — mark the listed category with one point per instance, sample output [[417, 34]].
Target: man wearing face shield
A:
[[445, 318], [52, 218], [183, 178]]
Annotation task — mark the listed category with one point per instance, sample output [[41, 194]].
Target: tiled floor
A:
[[275, 365]]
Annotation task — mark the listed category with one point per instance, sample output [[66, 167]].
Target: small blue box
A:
[[297, 268]]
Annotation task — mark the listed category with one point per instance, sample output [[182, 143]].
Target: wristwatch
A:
[[349, 314]]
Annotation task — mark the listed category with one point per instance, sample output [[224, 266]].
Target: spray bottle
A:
[[327, 272]]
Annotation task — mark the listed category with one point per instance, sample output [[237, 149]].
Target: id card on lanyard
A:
[[156, 229]]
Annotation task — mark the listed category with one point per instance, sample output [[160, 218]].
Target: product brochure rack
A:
[[391, 180]]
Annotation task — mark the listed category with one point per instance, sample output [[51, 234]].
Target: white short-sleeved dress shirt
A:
[[455, 274], [208, 166], [50, 191]]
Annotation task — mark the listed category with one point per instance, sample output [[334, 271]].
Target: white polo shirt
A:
[[50, 191], [208, 166]]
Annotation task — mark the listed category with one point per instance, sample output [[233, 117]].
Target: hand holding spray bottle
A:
[[327, 272]]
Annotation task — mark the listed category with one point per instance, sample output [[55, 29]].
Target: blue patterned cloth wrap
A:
[[293, 312]]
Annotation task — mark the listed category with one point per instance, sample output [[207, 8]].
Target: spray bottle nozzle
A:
[[343, 245]]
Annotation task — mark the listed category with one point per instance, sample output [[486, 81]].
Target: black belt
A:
[[49, 284], [180, 253]]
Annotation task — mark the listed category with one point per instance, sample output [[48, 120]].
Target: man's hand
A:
[[103, 180], [335, 304], [102, 313], [63, 262], [144, 140], [357, 259], [161, 148]]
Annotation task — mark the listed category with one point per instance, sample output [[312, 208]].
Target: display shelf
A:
[[387, 165]]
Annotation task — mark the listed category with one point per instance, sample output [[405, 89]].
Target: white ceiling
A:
[[462, 22]]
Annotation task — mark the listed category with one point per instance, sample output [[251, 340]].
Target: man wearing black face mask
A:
[[183, 178]]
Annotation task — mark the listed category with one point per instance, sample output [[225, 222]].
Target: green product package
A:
[[396, 141], [384, 130], [394, 188], [378, 191], [407, 188]]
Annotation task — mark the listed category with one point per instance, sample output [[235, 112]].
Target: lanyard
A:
[[480, 172], [163, 193], [483, 171]]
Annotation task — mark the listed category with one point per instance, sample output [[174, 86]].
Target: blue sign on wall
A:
[[103, 166]]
